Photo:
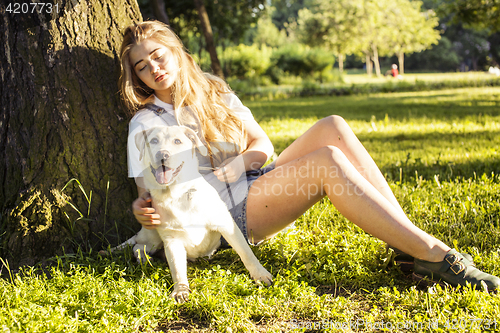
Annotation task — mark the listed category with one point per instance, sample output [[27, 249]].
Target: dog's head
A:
[[167, 152]]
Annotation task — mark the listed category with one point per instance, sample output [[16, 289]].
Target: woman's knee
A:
[[335, 121], [335, 125]]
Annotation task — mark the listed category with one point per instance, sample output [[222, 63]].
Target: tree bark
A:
[[61, 119], [209, 37]]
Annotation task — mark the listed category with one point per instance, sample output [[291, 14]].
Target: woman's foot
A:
[[405, 262], [456, 269]]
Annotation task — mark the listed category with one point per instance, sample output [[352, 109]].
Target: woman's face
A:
[[155, 65]]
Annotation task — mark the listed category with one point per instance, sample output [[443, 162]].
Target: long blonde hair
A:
[[199, 91]]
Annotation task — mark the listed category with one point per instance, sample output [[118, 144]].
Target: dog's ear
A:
[[195, 140], [140, 141]]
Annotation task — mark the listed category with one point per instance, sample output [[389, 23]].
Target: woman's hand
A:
[[144, 212], [231, 169]]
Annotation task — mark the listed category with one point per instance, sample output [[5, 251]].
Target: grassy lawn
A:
[[439, 151], [360, 83], [362, 78]]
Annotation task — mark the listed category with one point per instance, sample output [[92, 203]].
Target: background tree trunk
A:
[[369, 65], [401, 61], [209, 37], [340, 57], [158, 7], [61, 118], [376, 62]]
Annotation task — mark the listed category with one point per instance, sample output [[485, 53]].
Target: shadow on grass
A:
[[444, 171], [362, 108]]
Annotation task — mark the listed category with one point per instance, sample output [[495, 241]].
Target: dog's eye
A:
[[153, 141], [177, 141]]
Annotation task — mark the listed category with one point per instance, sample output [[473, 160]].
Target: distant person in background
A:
[[394, 71]]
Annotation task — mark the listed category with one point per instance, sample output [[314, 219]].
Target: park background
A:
[[308, 44], [434, 132]]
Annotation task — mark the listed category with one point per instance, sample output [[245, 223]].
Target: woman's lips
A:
[[160, 77]]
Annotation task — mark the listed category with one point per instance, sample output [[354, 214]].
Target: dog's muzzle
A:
[[165, 175]]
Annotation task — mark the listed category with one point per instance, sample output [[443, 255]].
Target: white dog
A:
[[193, 217]]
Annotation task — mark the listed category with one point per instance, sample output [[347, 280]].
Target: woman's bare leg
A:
[[334, 131], [277, 198]]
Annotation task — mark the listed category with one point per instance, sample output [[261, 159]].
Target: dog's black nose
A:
[[162, 155]]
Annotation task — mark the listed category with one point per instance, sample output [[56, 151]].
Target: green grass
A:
[[363, 78], [357, 84], [439, 151]]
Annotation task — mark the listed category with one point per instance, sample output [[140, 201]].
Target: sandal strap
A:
[[456, 264]]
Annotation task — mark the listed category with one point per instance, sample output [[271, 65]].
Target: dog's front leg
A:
[[177, 261], [147, 242], [235, 238]]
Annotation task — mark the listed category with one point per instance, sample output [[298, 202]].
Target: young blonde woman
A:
[[161, 84]]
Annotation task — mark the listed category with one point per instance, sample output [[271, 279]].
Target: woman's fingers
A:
[[230, 172], [148, 221], [144, 213]]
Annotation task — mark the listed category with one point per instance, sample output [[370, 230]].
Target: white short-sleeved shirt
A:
[[162, 114]]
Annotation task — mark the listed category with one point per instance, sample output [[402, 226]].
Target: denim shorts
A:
[[239, 212]]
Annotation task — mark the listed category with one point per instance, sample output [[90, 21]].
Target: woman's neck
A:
[[165, 96]]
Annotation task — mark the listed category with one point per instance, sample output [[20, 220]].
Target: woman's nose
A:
[[154, 68]]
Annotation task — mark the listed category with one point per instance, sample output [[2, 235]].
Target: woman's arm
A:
[[260, 147], [258, 151], [143, 211]]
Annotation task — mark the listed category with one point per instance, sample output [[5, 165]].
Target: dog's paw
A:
[[262, 275], [181, 293]]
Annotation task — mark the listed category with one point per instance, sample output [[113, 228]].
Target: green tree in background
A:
[[479, 14], [332, 24], [412, 30], [287, 11], [265, 32], [373, 28], [465, 44]]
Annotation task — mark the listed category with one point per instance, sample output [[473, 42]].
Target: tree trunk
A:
[[375, 60], [474, 61], [401, 61], [209, 37], [341, 62], [60, 119], [369, 67], [158, 7]]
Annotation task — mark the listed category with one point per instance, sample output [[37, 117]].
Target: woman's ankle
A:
[[436, 253]]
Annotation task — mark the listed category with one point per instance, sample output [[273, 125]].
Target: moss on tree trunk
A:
[[61, 119]]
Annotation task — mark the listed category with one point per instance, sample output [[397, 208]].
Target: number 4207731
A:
[[26, 8]]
